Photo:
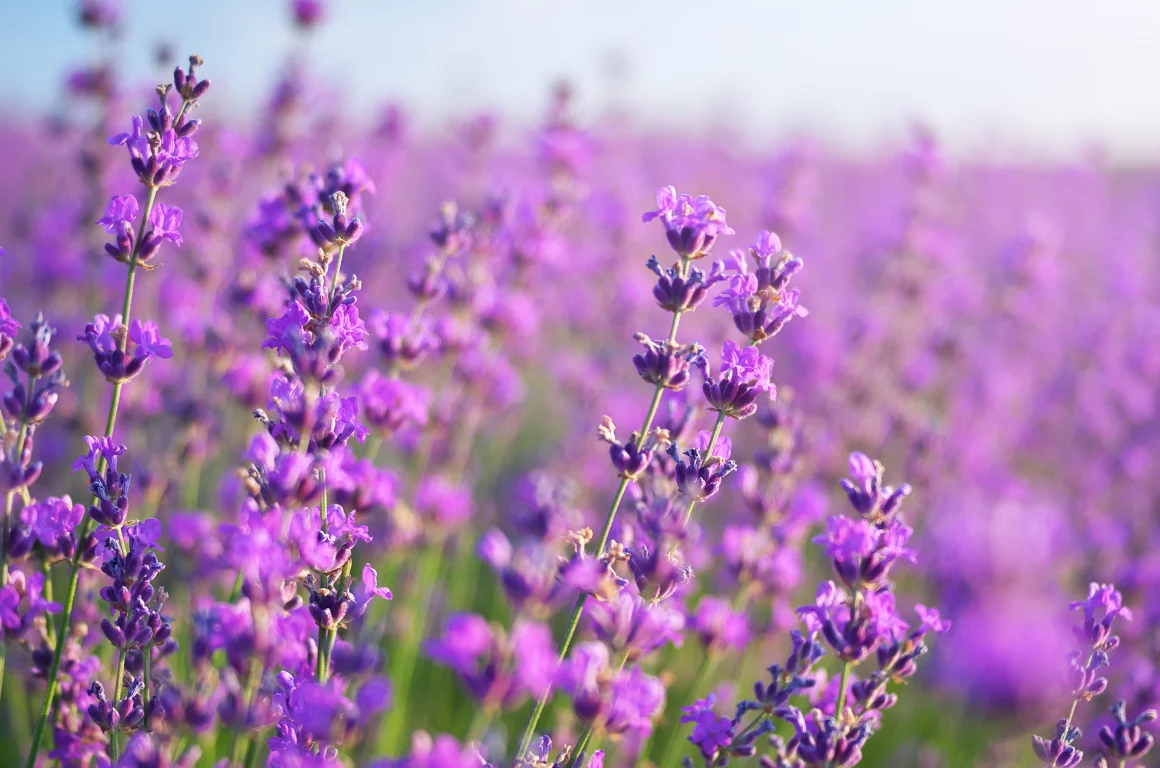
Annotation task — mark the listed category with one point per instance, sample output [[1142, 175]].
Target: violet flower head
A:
[[119, 216], [119, 361], [692, 225], [166, 223], [1103, 604], [745, 374], [863, 553], [631, 457], [710, 732], [868, 493], [678, 290], [1101, 608], [665, 364], [699, 475], [760, 301], [390, 404]]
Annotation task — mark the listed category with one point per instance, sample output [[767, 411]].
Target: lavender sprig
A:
[[1100, 610], [157, 158], [692, 226]]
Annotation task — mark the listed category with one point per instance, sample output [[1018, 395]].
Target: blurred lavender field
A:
[[369, 355]]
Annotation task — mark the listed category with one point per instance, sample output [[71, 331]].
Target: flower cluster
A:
[[1095, 639]]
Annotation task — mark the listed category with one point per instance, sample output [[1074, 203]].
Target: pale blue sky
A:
[[1049, 75]]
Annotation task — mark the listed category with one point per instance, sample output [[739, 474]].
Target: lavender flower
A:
[[109, 341]]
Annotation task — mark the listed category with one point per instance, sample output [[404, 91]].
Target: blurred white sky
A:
[[1052, 76]]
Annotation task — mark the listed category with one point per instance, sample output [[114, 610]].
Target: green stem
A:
[[320, 671], [618, 497], [117, 683], [326, 646], [191, 486], [236, 591], [337, 269], [843, 684], [405, 656], [848, 667], [83, 532], [673, 744], [581, 743], [251, 758], [46, 569], [147, 662], [478, 723]]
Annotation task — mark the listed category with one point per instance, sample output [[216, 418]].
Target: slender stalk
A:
[[147, 662], [673, 743], [75, 566], [708, 452], [581, 743], [327, 637], [406, 655], [337, 269], [320, 672], [117, 684], [46, 569], [478, 723], [251, 758], [843, 684], [618, 497], [848, 667]]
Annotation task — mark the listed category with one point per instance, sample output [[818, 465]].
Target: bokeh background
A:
[[973, 188]]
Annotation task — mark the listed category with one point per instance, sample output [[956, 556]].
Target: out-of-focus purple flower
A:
[[307, 13], [390, 404], [632, 625], [99, 14], [499, 671], [441, 752], [624, 701], [443, 502], [721, 628]]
